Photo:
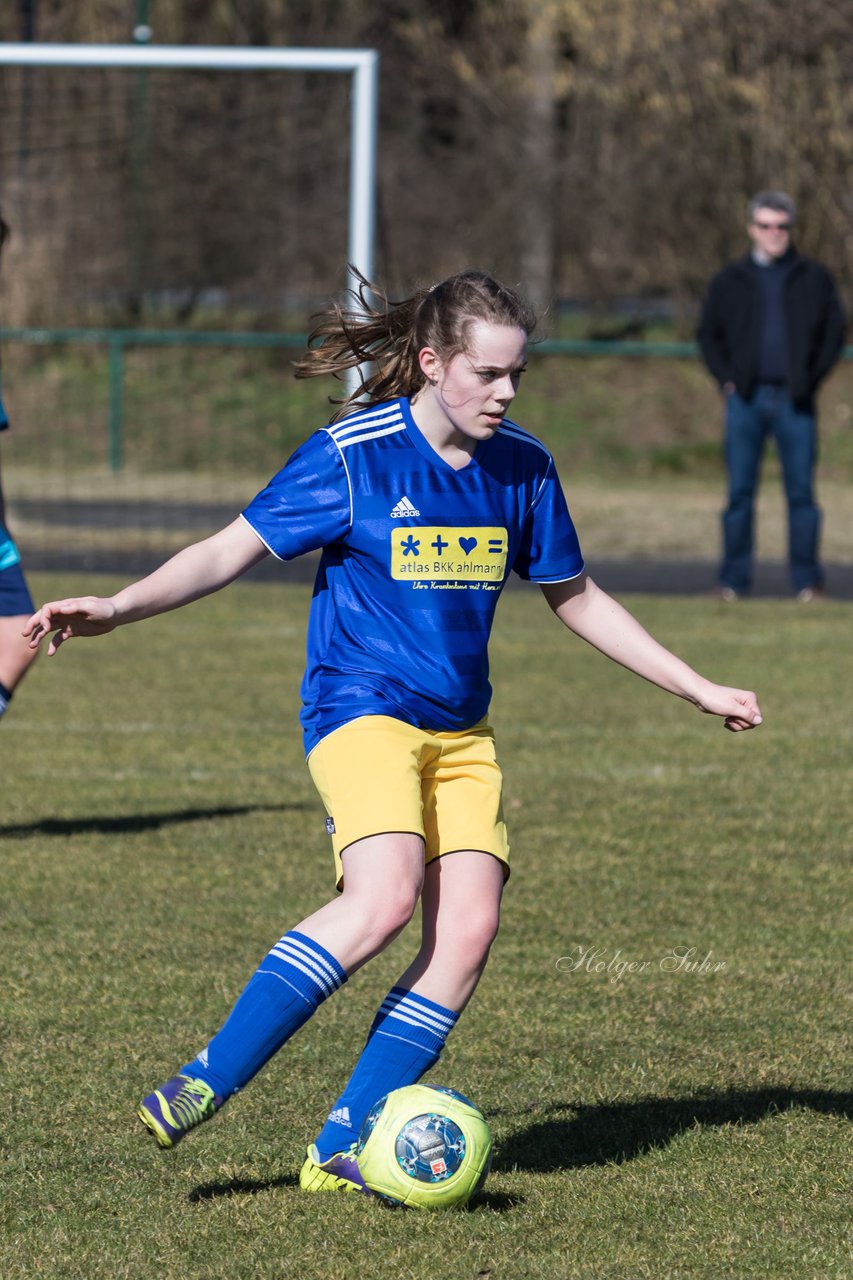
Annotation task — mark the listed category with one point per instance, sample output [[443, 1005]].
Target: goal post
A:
[[360, 64]]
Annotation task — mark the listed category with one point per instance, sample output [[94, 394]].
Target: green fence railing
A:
[[117, 342]]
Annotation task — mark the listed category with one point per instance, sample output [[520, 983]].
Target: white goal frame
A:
[[361, 64]]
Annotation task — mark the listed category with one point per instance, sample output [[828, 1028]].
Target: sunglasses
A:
[[773, 226]]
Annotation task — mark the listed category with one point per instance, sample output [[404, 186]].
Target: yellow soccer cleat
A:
[[339, 1173]]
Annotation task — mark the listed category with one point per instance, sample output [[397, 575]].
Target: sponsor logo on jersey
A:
[[439, 553]]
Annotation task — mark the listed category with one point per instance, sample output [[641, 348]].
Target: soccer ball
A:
[[424, 1146]]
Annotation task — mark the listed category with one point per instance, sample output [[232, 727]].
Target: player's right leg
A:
[[465, 873], [461, 910], [305, 967]]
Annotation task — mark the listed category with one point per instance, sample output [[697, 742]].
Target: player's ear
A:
[[430, 363]]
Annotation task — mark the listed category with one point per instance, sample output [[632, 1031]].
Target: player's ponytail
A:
[[387, 336]]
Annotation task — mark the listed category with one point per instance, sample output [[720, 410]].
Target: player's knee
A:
[[385, 914], [476, 929]]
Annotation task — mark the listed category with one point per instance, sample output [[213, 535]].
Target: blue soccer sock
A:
[[286, 988], [5, 698], [405, 1040]]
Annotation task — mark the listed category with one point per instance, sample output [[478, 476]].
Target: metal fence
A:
[[128, 443], [118, 342]]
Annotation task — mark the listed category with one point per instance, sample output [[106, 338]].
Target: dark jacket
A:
[[730, 326]]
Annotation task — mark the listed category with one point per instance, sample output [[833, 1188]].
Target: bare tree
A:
[[592, 150], [538, 205]]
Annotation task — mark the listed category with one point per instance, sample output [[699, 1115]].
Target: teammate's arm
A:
[[597, 618], [196, 571]]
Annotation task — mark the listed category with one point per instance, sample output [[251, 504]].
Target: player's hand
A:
[[84, 616], [738, 707]]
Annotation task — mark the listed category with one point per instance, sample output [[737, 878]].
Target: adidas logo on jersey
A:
[[404, 508]]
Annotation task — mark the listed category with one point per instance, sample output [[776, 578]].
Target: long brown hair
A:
[[372, 330]]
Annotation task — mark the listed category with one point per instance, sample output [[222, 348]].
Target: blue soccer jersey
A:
[[415, 555]]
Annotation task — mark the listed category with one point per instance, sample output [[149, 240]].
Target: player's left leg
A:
[[461, 912]]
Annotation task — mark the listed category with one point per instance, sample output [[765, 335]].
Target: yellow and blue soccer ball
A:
[[425, 1147]]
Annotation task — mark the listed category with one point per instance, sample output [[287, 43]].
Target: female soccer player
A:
[[423, 496]]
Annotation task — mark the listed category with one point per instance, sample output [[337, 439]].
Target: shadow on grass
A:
[[493, 1202], [613, 1132], [240, 1187], [488, 1201], [137, 822]]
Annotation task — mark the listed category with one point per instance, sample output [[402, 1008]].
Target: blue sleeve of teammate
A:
[[308, 505], [9, 554], [549, 550]]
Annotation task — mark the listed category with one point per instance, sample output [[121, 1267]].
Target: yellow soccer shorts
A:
[[377, 774]]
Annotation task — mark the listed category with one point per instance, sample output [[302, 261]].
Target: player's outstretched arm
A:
[[194, 572], [597, 618]]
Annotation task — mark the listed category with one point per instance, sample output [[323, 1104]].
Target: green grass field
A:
[[160, 831]]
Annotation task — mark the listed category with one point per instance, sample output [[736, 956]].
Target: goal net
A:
[[171, 226]]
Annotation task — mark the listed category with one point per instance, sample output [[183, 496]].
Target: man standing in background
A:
[[771, 329]]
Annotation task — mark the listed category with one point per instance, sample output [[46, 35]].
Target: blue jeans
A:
[[748, 423]]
